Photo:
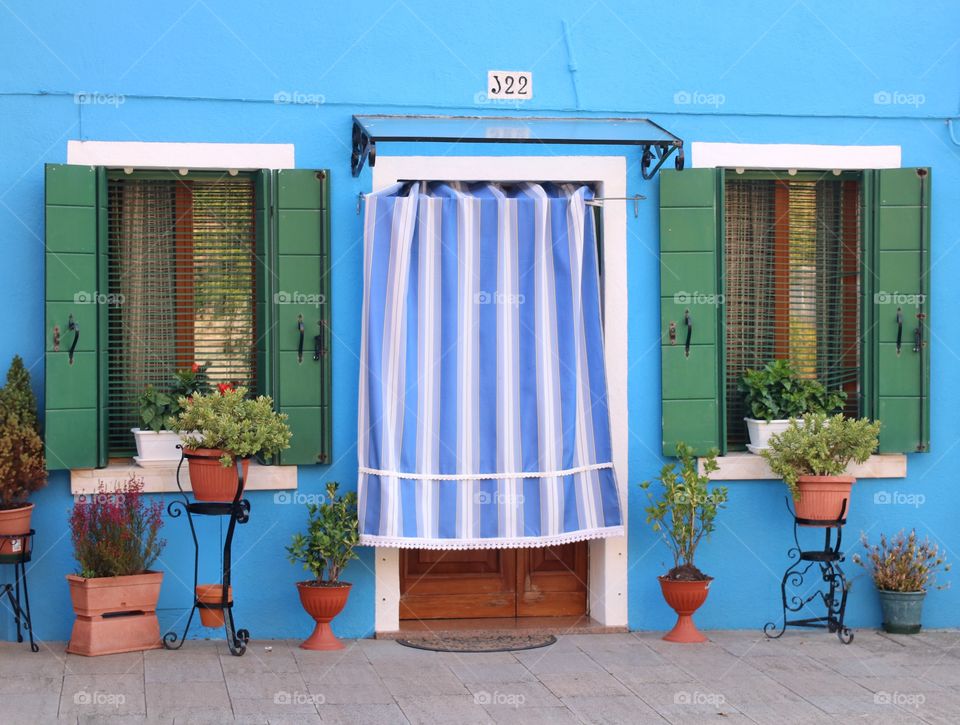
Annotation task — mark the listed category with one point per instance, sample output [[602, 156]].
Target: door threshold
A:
[[501, 625]]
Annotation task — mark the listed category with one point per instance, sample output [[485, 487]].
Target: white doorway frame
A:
[[607, 577]]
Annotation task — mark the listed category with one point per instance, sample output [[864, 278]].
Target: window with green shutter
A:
[[829, 271], [153, 271]]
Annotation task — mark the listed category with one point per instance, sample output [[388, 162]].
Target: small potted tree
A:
[[776, 393], [812, 455], [156, 441], [22, 464], [324, 551], [223, 429], [683, 513], [903, 570], [115, 541]]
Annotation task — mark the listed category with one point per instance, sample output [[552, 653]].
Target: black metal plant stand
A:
[[21, 610], [824, 562], [239, 512]]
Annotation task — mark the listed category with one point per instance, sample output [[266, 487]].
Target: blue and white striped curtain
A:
[[483, 398]]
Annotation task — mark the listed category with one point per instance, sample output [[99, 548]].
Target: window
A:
[[791, 283], [150, 272], [829, 271]]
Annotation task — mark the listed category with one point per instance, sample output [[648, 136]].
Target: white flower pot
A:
[[761, 430], [156, 449]]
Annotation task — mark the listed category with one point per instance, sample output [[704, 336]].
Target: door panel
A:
[[552, 582], [493, 583]]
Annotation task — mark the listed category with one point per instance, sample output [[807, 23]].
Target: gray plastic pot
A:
[[901, 611]]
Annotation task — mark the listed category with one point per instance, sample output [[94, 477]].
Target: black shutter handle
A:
[[300, 344], [318, 346], [918, 333], [75, 326], [899, 328], [689, 323]]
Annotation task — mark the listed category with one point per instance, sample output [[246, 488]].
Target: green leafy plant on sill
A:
[[228, 420], [684, 511], [818, 445], [158, 409], [115, 533], [22, 462], [331, 538], [778, 392], [902, 563]]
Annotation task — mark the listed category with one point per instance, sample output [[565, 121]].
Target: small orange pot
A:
[[212, 594], [684, 597], [821, 497], [210, 480], [14, 522], [323, 603], [115, 614]]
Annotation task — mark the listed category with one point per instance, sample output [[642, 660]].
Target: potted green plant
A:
[[223, 428], [324, 551], [156, 442], [114, 594], [812, 455], [903, 570], [776, 393], [22, 463], [683, 512]]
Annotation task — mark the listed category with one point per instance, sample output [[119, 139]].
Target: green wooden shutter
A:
[[74, 222], [689, 255], [301, 293], [899, 283]]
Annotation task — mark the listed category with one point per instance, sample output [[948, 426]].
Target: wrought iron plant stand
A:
[[821, 566], [239, 512], [19, 559]]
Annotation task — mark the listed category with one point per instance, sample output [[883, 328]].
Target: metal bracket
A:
[[364, 150], [661, 152]]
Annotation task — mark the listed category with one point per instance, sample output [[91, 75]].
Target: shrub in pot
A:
[[903, 570], [326, 548], [116, 539], [776, 393], [156, 441], [225, 429], [683, 513], [812, 455], [22, 463]]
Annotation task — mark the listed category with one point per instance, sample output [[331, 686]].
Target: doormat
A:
[[479, 642]]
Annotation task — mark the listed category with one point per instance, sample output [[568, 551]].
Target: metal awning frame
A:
[[654, 152]]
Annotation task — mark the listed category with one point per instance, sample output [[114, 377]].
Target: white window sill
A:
[[751, 467], [164, 479]]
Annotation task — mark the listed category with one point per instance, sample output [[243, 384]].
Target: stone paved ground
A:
[[612, 678]]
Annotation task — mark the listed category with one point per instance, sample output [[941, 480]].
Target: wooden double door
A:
[[542, 582]]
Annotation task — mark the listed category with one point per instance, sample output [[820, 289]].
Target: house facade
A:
[[810, 116]]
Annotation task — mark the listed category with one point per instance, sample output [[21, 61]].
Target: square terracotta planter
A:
[[115, 614]]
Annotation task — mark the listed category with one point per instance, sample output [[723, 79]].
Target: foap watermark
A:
[[699, 98], [85, 698], [94, 98], [283, 498], [686, 697], [899, 699], [295, 297], [508, 699], [899, 98], [282, 697], [501, 498], [298, 98], [111, 299], [480, 98], [698, 298], [899, 498], [498, 298], [899, 298]]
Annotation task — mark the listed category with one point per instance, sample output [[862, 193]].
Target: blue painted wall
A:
[[807, 72]]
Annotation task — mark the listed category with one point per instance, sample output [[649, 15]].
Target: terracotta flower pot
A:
[[15, 521], [115, 614], [821, 497], [210, 480], [323, 603], [684, 597], [212, 594]]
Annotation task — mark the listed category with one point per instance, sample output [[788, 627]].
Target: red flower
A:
[[225, 388], [195, 367]]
